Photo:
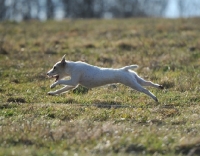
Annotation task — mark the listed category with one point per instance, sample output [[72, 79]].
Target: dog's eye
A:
[[54, 68]]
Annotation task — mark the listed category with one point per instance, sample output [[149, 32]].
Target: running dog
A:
[[91, 76]]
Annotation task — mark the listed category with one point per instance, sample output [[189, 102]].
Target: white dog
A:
[[91, 76]]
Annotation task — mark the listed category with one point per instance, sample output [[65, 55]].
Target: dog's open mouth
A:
[[55, 76]]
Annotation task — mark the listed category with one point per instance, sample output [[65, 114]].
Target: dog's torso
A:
[[93, 76]]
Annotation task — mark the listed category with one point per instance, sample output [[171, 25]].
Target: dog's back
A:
[[92, 76]]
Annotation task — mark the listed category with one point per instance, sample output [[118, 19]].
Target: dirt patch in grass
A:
[[3, 51], [126, 46], [134, 148], [16, 100], [189, 150]]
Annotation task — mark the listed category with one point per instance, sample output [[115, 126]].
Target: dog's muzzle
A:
[[54, 76]]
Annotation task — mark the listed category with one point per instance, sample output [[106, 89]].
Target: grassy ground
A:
[[110, 120]]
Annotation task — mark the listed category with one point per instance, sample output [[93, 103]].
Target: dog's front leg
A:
[[64, 82], [57, 83], [70, 84], [53, 85], [64, 89]]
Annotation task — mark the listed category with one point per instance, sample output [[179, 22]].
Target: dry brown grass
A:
[[110, 120]]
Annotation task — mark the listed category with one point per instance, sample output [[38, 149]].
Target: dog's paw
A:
[[53, 85], [51, 93]]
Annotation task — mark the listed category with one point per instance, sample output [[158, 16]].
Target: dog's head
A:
[[58, 70]]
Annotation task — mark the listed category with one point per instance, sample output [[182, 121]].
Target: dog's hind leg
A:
[[143, 82], [139, 88], [62, 90]]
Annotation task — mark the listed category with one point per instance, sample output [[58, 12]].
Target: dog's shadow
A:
[[107, 104], [98, 104], [80, 90]]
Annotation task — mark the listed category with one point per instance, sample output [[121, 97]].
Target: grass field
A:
[[110, 120]]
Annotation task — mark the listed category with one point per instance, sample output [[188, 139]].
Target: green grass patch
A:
[[109, 120]]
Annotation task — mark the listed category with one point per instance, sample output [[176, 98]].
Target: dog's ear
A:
[[63, 59]]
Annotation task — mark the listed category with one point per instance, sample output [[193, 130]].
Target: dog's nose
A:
[[47, 74]]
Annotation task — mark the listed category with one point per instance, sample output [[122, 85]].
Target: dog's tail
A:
[[130, 67]]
